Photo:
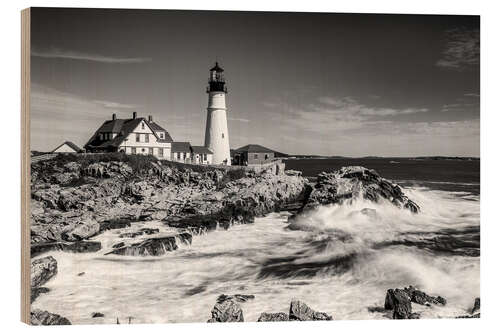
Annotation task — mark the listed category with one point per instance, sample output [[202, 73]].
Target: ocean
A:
[[336, 259]]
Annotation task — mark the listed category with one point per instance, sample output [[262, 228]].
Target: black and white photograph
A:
[[239, 166]]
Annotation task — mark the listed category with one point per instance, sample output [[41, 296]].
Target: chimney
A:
[[134, 115], [150, 118], [114, 116]]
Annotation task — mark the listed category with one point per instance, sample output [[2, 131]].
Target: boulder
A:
[[83, 230], [400, 302], [419, 297], [353, 182], [39, 317], [226, 310], [300, 311], [35, 292], [277, 316], [42, 270], [74, 247], [155, 246], [236, 297]]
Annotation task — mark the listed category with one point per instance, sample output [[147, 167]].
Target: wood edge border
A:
[[25, 164]]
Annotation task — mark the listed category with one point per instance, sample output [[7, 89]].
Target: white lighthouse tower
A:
[[216, 134]]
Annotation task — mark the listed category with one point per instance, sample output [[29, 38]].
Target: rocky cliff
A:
[[75, 200]]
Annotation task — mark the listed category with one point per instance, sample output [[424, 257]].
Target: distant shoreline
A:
[[424, 158]]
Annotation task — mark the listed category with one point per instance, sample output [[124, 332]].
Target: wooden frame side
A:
[[25, 165]]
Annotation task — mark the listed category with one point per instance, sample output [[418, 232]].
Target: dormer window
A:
[[143, 126], [161, 136]]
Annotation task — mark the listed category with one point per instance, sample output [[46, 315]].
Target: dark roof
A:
[[217, 68], [181, 147], [201, 150], [157, 128], [252, 148], [71, 145]]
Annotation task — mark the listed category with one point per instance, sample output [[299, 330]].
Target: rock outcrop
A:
[[274, 316], [300, 311], [42, 270], [354, 182], [39, 317], [226, 310], [74, 247], [399, 301], [154, 246]]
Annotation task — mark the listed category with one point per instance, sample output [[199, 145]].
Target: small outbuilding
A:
[[252, 154], [68, 147]]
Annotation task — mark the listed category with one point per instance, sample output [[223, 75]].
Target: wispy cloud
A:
[[349, 105], [57, 116], [65, 54], [461, 50], [114, 105], [472, 95]]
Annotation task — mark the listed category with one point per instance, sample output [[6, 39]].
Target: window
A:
[[182, 156], [161, 136], [223, 135], [142, 125], [204, 157], [101, 136], [255, 156], [266, 156], [147, 137], [134, 151], [150, 151], [160, 152], [137, 137], [178, 155]]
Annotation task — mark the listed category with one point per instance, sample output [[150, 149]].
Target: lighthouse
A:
[[216, 134]]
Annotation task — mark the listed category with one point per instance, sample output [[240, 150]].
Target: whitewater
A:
[[339, 259]]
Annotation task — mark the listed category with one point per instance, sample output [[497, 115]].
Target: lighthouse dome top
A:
[[217, 68]]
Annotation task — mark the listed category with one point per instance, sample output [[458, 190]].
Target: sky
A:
[[299, 83]]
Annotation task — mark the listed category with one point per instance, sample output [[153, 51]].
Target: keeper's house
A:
[[144, 136]]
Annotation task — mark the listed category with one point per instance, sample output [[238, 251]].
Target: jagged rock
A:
[[414, 316], [155, 246], [399, 301], [108, 169], [140, 232], [236, 297], [97, 315], [477, 305], [114, 224], [300, 311], [422, 298], [83, 230], [35, 292], [39, 317], [226, 310], [42, 270], [278, 316], [74, 247], [352, 182]]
